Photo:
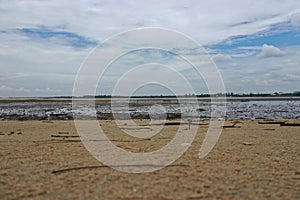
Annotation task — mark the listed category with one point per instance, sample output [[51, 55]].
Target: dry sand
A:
[[255, 161]]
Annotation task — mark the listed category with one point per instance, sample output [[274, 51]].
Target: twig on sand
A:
[[233, 125], [58, 140], [280, 123], [269, 129], [271, 122], [65, 136], [62, 141], [289, 124], [175, 124], [137, 128], [114, 166]]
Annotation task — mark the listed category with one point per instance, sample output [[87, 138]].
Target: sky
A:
[[254, 44]]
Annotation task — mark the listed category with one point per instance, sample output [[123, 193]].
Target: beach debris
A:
[[233, 125], [269, 129], [176, 123], [290, 124], [11, 133], [135, 128], [113, 166], [65, 136], [172, 123], [61, 141], [247, 143], [270, 122], [280, 123]]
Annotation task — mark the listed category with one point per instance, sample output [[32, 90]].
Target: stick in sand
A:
[[233, 125]]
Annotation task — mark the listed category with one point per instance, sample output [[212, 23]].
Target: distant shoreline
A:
[[201, 99]]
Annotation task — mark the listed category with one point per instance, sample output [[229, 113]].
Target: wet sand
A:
[[253, 161]]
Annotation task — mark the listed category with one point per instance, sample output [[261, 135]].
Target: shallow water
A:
[[234, 110]]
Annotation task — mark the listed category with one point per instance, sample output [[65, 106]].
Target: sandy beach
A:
[[150, 100], [252, 161]]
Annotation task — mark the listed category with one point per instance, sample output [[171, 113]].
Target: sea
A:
[[242, 108]]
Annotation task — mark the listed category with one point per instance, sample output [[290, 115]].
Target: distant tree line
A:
[[228, 94]]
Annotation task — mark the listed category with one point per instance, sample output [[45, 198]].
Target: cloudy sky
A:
[[255, 44]]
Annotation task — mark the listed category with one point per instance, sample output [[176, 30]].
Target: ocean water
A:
[[234, 110]]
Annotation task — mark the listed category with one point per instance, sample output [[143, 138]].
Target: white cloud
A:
[[206, 21], [50, 63], [295, 19], [250, 48], [270, 51], [252, 74], [219, 58], [6, 91]]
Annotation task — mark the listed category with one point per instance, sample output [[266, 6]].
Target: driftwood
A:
[[289, 124], [57, 140], [164, 124], [175, 124], [65, 136], [137, 128], [114, 166], [271, 122], [280, 123], [233, 125], [269, 129], [63, 141]]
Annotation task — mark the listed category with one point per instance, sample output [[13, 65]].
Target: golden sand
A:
[[254, 161]]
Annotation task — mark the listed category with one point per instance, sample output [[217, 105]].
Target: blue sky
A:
[[71, 39], [281, 35], [255, 45]]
